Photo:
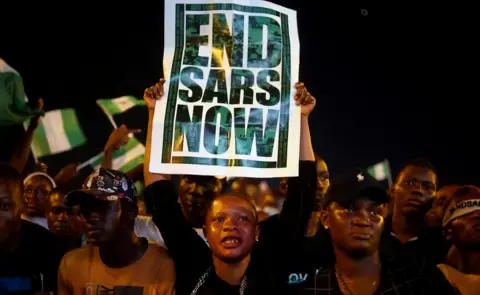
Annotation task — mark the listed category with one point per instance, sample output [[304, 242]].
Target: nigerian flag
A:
[[13, 101], [112, 107], [58, 131], [127, 157], [381, 171]]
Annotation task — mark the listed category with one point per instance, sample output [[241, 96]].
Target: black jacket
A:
[[271, 256]]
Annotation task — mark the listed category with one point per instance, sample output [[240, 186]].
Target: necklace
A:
[[344, 284], [202, 279]]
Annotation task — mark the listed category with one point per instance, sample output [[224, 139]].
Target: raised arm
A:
[[301, 190], [188, 250], [20, 157]]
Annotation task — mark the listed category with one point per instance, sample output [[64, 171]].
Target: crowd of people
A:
[[208, 236]]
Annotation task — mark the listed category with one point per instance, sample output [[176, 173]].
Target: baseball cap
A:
[[353, 185], [104, 184], [464, 201]]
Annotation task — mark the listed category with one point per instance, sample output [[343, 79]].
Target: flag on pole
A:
[[381, 171], [112, 107], [127, 157], [13, 101], [58, 131]]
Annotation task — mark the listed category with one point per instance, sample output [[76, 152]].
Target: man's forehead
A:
[[231, 203], [322, 166], [419, 173]]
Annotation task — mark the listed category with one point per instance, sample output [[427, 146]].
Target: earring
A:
[[326, 227], [256, 239]]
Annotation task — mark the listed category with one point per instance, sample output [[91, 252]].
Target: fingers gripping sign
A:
[[154, 93], [304, 99]]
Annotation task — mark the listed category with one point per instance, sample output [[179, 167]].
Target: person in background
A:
[[116, 260], [323, 184], [434, 216], [142, 210], [29, 255], [354, 216], [234, 263], [406, 231], [37, 187], [461, 225], [65, 222]]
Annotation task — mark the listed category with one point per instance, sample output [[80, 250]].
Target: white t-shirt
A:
[[42, 221]]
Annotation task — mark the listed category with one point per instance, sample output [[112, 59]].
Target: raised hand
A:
[[34, 122], [119, 137], [66, 174], [154, 93], [304, 99]]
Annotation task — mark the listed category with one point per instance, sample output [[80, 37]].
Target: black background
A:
[[396, 83]]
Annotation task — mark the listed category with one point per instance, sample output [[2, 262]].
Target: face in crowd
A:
[[355, 227], [464, 231], [323, 183], [11, 201], [62, 220], [107, 220], [196, 194], [434, 216], [414, 189], [36, 190], [231, 228]]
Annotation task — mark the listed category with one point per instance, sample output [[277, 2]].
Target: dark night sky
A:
[[394, 84]]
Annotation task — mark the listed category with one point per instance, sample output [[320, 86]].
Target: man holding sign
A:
[[228, 108]]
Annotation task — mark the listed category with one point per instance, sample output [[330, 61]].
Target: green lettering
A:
[[256, 25], [188, 127], [210, 131], [263, 83], [222, 40], [246, 131], [187, 77], [193, 40], [216, 78], [242, 80]]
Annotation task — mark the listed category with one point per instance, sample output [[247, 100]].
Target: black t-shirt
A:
[[32, 267], [271, 257], [430, 245]]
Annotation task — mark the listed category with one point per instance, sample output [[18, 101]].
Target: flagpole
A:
[[389, 175], [89, 162]]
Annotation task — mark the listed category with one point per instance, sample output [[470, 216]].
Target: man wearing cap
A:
[[116, 260], [354, 216], [461, 225]]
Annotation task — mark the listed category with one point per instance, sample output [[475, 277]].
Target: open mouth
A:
[[230, 242]]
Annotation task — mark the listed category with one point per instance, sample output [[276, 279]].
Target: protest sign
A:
[[228, 110]]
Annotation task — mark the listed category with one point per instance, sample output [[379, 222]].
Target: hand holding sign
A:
[[304, 98], [154, 93]]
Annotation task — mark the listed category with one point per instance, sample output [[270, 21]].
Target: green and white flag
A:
[[231, 68], [381, 171], [13, 101], [127, 157], [57, 132], [112, 107]]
